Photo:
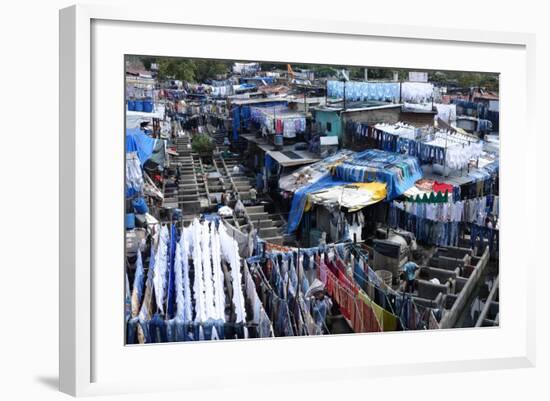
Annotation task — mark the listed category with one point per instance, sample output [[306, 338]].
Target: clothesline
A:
[[474, 210], [403, 304], [208, 251], [279, 120], [440, 232]]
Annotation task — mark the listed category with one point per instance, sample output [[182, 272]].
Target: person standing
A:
[[410, 269], [253, 195]]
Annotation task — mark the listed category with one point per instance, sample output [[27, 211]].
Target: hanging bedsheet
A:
[[417, 92], [363, 91], [458, 150], [446, 112]]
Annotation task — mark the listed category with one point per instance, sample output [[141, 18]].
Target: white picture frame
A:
[[86, 59]]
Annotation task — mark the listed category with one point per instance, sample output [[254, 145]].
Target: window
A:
[[329, 127]]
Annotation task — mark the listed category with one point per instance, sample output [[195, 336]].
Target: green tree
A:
[[208, 69], [181, 69], [147, 61], [191, 70]]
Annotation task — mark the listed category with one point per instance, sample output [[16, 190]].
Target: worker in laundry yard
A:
[[410, 269], [253, 195], [321, 304], [227, 198], [259, 181]]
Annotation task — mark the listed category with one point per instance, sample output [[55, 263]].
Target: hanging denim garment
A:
[[171, 294], [157, 329]]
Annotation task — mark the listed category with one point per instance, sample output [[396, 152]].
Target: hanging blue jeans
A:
[[178, 330], [144, 324], [453, 235], [320, 309], [477, 232], [283, 323], [131, 331], [157, 329], [205, 330]]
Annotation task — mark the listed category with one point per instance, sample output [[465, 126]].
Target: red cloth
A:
[[344, 292], [279, 126], [442, 187]]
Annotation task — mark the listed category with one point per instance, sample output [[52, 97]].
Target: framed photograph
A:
[[253, 190]]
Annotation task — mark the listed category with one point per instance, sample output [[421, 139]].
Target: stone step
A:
[[257, 216], [255, 209], [264, 224], [274, 240], [190, 207], [188, 198], [266, 232], [188, 192], [241, 180], [186, 186]]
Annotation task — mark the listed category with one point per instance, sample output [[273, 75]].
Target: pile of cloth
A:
[[398, 172]]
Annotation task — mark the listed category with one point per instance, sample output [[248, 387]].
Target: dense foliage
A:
[[202, 143]]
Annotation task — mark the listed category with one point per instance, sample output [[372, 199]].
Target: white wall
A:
[[29, 200]]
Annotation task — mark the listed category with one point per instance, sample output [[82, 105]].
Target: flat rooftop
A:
[[288, 156]]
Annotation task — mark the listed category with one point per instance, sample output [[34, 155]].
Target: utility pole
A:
[[344, 95]]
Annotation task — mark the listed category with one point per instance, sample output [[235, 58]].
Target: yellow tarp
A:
[[351, 196]]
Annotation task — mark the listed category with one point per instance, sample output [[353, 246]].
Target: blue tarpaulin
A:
[[398, 171], [137, 141], [244, 87], [300, 198], [267, 80]]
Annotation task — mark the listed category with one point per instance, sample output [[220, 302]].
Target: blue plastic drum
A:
[[139, 105], [130, 221], [148, 105]]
